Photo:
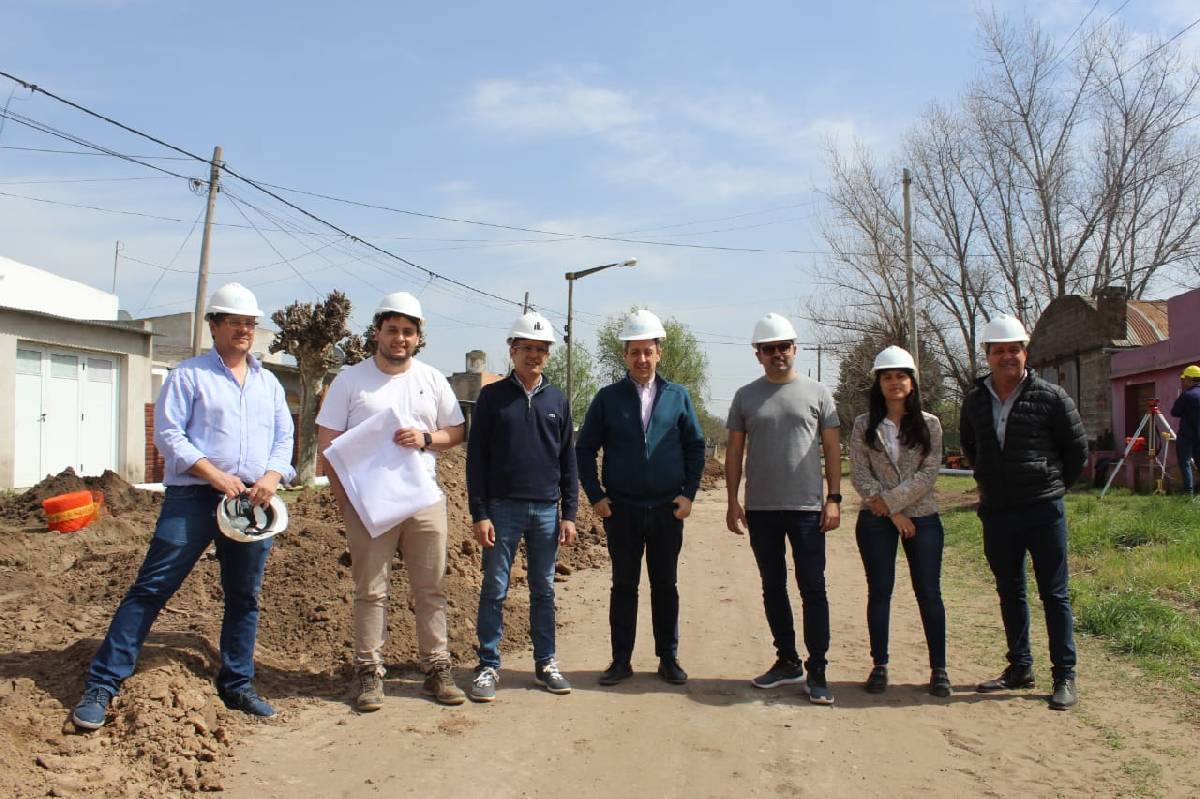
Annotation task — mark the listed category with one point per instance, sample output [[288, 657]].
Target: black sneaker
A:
[[939, 683], [1013, 677], [549, 677], [877, 680], [817, 688], [670, 670], [1064, 695], [784, 672], [617, 670]]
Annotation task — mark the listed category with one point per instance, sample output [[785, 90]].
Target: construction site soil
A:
[[167, 730]]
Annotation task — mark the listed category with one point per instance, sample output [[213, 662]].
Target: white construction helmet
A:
[[1004, 328], [532, 326], [241, 520], [401, 302], [234, 298], [642, 325], [773, 327], [894, 357]]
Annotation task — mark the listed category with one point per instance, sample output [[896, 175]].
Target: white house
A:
[[74, 380]]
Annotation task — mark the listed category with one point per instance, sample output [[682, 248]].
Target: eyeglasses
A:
[[531, 350], [778, 347]]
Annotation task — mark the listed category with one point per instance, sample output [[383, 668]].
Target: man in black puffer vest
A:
[[1027, 445]]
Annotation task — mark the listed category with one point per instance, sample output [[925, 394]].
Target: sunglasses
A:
[[531, 350], [778, 347]]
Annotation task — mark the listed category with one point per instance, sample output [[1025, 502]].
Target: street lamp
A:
[[569, 334]]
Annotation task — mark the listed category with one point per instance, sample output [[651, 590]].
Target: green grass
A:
[[1135, 573]]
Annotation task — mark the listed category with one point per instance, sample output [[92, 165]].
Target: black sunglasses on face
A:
[[779, 347]]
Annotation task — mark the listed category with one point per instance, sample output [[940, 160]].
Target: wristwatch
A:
[[834, 498], [428, 441]]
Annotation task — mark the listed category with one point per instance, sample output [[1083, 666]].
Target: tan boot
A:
[[370, 690], [440, 685]]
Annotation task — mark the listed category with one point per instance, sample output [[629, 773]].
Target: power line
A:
[[77, 180], [90, 152], [163, 273]]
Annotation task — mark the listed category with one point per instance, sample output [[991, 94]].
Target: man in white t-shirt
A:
[[394, 378]]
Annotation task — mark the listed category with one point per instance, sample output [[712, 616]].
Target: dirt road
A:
[[718, 735]]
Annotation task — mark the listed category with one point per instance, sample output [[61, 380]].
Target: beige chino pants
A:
[[422, 543]]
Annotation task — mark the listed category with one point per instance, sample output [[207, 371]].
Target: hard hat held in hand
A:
[[532, 326], [1192, 372], [773, 327], [1004, 328], [403, 303], [241, 520], [234, 298], [894, 357], [642, 325]]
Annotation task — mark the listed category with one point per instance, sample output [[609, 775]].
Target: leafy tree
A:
[[683, 359], [315, 334], [583, 378]]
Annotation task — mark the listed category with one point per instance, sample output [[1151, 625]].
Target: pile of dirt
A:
[[169, 729], [713, 476]]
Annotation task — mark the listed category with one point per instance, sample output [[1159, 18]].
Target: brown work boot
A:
[[440, 685], [370, 690]]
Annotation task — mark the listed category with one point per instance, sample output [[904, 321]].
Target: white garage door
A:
[[66, 413]]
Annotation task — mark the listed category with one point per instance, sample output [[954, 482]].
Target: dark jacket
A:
[[1187, 410], [1045, 446], [520, 448], [645, 469]]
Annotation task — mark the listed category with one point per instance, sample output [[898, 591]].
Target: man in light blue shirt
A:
[[223, 427]]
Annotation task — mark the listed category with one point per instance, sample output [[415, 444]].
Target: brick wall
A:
[[154, 461]]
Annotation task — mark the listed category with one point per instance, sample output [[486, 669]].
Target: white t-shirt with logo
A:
[[421, 393]]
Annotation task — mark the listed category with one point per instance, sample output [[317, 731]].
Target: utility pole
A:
[[116, 259], [818, 350], [525, 307], [202, 280], [567, 333], [908, 272]]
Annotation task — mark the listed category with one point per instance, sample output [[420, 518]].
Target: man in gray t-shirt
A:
[[782, 423]]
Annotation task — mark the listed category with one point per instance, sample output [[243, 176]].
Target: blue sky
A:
[[672, 122]]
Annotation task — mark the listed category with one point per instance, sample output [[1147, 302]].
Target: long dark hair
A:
[[914, 432]]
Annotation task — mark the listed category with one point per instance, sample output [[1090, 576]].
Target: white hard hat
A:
[[234, 298], [241, 520], [642, 325], [401, 302], [1004, 328], [532, 326], [894, 357], [773, 327]]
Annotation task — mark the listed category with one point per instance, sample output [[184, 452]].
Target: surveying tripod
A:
[[1152, 418]]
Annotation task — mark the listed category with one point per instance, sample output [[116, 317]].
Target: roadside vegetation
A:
[[1135, 572]]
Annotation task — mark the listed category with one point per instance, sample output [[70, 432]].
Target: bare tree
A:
[[311, 333]]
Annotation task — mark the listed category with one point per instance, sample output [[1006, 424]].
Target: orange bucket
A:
[[67, 513]]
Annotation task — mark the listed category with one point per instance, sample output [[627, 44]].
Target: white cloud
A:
[[562, 108]]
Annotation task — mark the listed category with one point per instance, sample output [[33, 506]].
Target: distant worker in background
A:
[[783, 423], [1187, 410], [1027, 445], [520, 469], [394, 378], [653, 458], [895, 455], [224, 429]]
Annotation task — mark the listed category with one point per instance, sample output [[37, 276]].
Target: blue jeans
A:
[[630, 531], [186, 526], [770, 530], [1041, 530], [877, 537], [537, 523], [1186, 451]]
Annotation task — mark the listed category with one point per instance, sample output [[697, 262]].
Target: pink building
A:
[[1152, 372]]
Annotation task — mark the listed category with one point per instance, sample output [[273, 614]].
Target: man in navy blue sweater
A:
[[520, 467], [653, 459], [1187, 410]]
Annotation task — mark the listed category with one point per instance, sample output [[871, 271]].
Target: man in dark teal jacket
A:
[[653, 459]]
